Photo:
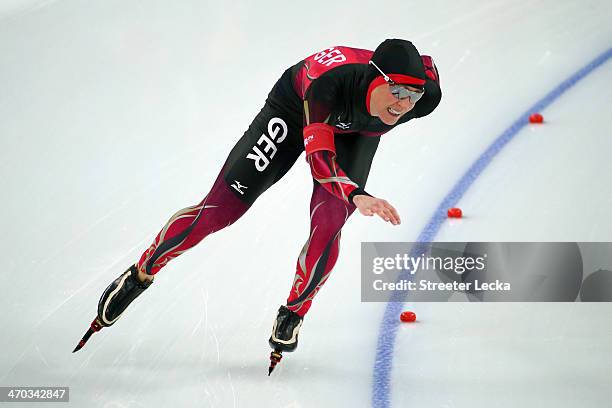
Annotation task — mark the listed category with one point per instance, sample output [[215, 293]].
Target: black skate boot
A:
[[115, 299], [284, 335]]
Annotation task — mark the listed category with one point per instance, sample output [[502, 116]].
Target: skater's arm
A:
[[321, 162], [330, 175], [320, 100], [326, 171]]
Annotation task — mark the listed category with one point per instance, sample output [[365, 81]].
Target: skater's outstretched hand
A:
[[371, 205]]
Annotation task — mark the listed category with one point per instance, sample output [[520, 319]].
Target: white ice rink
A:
[[115, 114]]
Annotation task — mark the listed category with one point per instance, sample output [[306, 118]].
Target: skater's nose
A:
[[405, 104]]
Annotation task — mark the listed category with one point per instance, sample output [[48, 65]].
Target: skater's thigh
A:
[[264, 154]]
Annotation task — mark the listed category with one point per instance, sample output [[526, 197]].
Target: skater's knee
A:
[[328, 227]]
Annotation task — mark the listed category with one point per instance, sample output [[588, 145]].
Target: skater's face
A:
[[387, 106]]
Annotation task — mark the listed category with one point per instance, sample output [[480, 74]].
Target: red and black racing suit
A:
[[329, 89]]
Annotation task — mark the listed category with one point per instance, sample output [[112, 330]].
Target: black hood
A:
[[397, 56], [401, 57]]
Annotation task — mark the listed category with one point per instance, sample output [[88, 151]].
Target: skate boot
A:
[[115, 299], [284, 335]]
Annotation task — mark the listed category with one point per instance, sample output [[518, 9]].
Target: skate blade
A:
[[94, 327], [275, 358]]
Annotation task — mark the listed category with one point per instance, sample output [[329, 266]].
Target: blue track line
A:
[[381, 388]]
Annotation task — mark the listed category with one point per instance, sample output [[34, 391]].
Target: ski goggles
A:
[[398, 90]]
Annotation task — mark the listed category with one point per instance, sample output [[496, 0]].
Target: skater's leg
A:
[[266, 151], [318, 256], [328, 214], [264, 154], [219, 209]]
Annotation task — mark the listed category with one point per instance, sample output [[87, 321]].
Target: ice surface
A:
[[115, 114]]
